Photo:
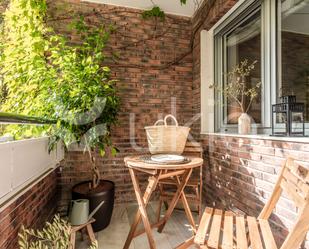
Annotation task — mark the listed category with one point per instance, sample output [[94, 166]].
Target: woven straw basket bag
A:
[[167, 139]]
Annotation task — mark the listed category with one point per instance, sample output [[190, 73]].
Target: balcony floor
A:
[[113, 237]]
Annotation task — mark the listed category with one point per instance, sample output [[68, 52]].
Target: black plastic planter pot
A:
[[104, 192]]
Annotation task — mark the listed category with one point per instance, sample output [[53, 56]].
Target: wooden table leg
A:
[[160, 203], [187, 207], [141, 213], [176, 197]]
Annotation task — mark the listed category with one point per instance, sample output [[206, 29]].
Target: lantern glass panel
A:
[[280, 125], [297, 122]]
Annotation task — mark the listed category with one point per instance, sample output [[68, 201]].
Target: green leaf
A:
[[102, 152], [114, 151]]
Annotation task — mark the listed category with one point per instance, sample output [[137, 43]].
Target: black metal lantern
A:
[[288, 117]]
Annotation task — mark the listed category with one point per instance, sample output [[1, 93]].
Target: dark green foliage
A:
[[154, 12]]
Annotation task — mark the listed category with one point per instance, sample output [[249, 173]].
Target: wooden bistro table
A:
[[180, 173]]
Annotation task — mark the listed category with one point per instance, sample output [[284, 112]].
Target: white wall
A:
[[207, 79], [23, 161]]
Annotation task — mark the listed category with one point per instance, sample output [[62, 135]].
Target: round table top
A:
[[136, 162]]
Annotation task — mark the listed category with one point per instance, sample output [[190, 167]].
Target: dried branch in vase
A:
[[237, 88]]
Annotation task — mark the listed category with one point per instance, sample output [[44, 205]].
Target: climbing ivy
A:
[[26, 81], [23, 64]]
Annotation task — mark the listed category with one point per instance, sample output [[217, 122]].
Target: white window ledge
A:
[[262, 136]]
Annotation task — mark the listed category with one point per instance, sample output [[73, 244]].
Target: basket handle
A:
[[159, 121], [172, 117]]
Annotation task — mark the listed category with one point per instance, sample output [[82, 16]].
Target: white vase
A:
[[244, 124]]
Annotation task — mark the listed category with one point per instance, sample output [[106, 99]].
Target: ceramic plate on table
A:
[[168, 158]]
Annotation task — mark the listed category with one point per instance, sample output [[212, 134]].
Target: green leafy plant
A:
[[54, 235], [85, 101], [26, 81], [46, 75], [237, 88], [156, 12]]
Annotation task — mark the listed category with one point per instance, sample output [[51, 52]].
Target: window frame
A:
[[270, 67], [245, 11]]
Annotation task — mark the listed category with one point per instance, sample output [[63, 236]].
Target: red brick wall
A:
[[146, 84], [31, 209]]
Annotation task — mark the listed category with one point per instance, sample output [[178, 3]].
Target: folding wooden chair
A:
[[167, 187], [219, 229]]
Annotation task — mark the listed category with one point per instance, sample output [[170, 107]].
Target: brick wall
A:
[[241, 172], [31, 209], [146, 83]]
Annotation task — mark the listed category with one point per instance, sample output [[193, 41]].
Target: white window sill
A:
[[262, 136]]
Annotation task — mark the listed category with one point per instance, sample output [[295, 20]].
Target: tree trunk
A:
[[94, 170]]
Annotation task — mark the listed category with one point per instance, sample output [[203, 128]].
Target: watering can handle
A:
[[70, 207], [95, 210]]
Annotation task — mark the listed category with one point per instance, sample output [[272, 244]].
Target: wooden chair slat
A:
[[204, 224], [214, 234], [241, 237], [227, 241], [291, 165], [307, 178], [193, 149], [292, 192], [268, 238], [298, 182], [254, 235], [192, 144], [288, 175]]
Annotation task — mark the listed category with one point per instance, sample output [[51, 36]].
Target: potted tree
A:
[[86, 107]]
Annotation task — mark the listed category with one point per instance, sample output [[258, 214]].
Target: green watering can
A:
[[79, 211]]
